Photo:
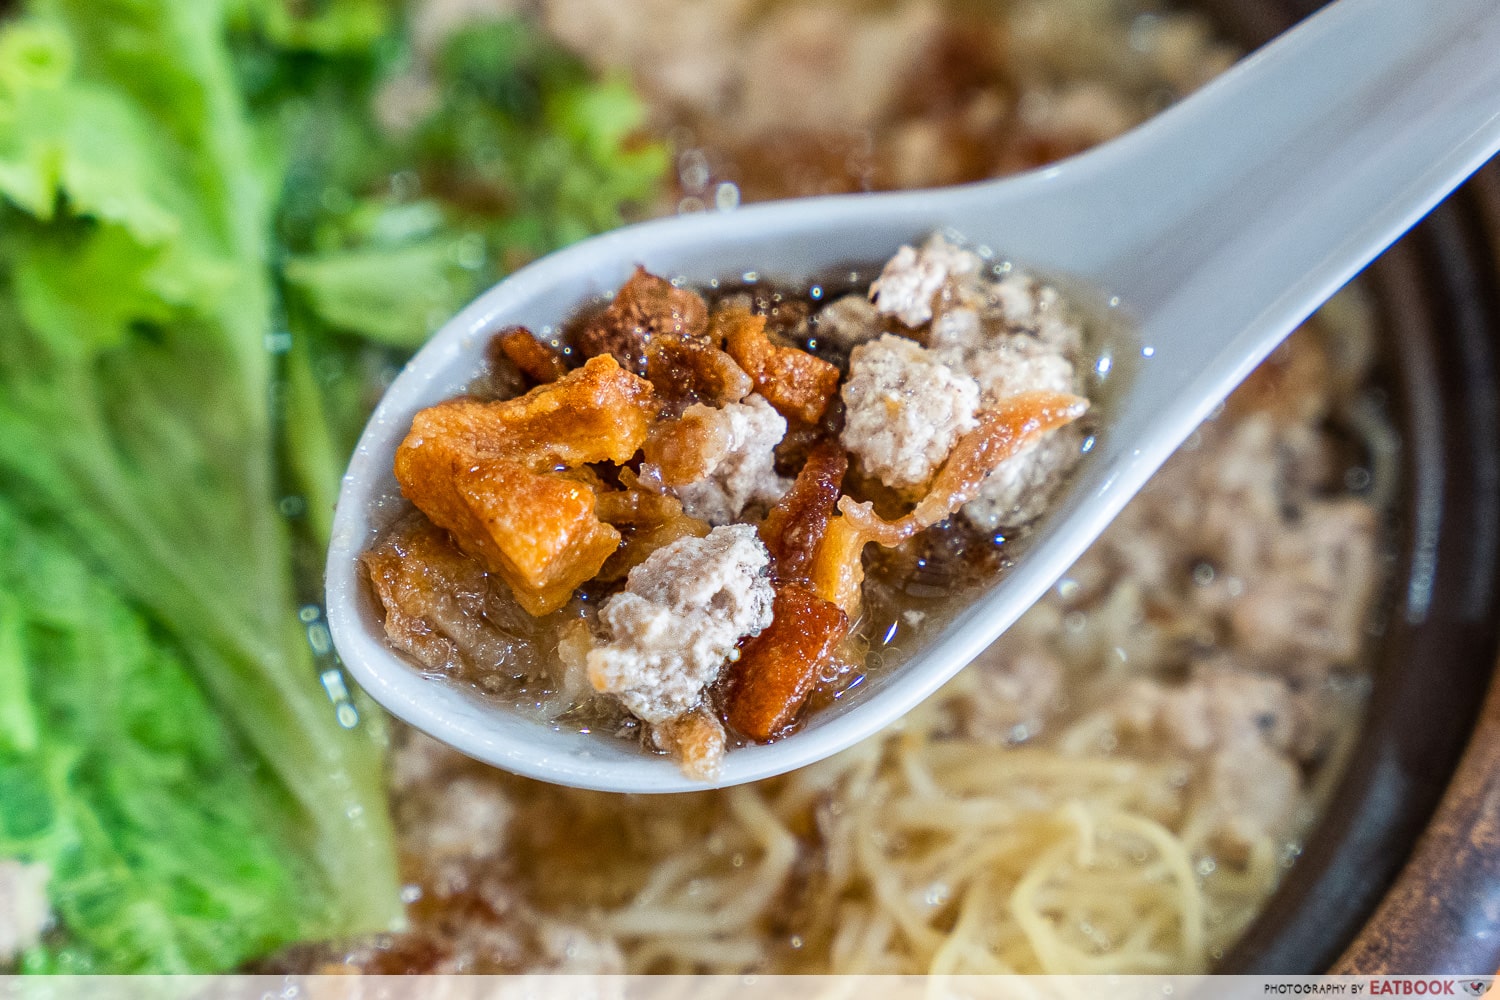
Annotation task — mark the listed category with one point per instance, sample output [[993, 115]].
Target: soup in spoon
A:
[[693, 519]]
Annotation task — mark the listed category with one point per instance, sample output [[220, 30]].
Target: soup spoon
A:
[[1220, 225]]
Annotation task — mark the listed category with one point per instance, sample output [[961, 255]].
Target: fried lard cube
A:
[[689, 370], [532, 358], [442, 608], [498, 476], [696, 740], [647, 306]]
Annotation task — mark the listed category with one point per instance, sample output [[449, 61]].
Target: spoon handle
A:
[[1280, 180], [1223, 223]]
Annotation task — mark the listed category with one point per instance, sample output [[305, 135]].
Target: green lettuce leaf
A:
[[388, 234], [328, 26], [138, 417], [212, 257], [166, 849], [392, 295], [546, 153]]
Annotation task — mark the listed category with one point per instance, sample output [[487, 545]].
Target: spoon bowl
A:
[[1218, 226]]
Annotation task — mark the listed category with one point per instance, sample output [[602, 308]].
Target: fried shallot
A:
[[538, 362], [797, 383]]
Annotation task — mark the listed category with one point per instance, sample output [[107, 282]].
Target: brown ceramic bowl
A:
[[1403, 874]]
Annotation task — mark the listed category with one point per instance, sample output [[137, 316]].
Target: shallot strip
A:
[[1005, 430], [797, 523], [777, 669]]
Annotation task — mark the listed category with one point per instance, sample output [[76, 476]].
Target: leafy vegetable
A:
[[328, 26], [530, 132], [116, 774], [138, 417], [212, 254], [396, 295], [390, 231]]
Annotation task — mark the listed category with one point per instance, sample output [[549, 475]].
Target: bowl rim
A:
[[1393, 876], [1438, 916]]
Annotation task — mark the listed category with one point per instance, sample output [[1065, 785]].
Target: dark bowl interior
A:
[[1439, 306]]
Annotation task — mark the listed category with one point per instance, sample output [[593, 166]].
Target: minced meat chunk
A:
[[740, 461], [1217, 709], [1011, 336], [957, 332], [1017, 364], [1016, 693], [1319, 578], [1241, 730], [683, 611], [848, 322], [24, 913], [980, 314], [1022, 304], [904, 410], [1248, 793], [913, 278], [1021, 487]]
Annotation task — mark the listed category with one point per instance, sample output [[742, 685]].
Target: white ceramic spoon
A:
[[1221, 224]]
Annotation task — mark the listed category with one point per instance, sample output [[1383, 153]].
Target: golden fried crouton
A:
[[696, 741], [645, 307], [492, 474], [798, 384]]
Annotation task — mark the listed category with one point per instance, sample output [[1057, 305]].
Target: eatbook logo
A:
[[1415, 986]]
